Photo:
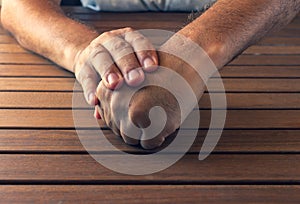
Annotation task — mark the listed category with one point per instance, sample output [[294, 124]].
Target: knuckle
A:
[[128, 29], [95, 43], [98, 51], [80, 73], [139, 38], [103, 93], [120, 45], [84, 78], [143, 53], [106, 35], [110, 123], [99, 90]]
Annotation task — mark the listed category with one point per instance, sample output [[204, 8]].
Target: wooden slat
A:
[[11, 48], [293, 26], [13, 70], [6, 39], [284, 50], [216, 168], [251, 119], [3, 31], [8, 58], [257, 85], [250, 141], [280, 41], [64, 100], [150, 194], [231, 84], [37, 84], [261, 71], [40, 100], [16, 70], [273, 40], [257, 50], [266, 60], [250, 156], [288, 31], [269, 40]]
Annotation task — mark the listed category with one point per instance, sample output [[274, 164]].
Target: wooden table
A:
[[256, 160]]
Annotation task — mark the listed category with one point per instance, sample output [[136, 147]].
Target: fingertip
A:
[[152, 144], [97, 102], [149, 65], [135, 77], [96, 114], [91, 99], [113, 81]]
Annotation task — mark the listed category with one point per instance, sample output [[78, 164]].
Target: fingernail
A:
[[133, 75], [112, 78], [148, 62]]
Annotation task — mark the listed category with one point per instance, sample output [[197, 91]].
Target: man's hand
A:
[[115, 56], [113, 103]]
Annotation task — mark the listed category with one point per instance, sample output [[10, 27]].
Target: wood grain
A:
[[217, 168], [259, 146], [17, 70], [280, 41], [284, 50], [67, 141], [37, 84], [6, 39], [261, 71], [23, 58], [20, 58], [60, 100], [12, 48], [235, 119], [231, 84], [253, 50], [150, 194], [266, 60], [254, 71]]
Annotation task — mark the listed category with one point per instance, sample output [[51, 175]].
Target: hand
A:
[[112, 106], [114, 56]]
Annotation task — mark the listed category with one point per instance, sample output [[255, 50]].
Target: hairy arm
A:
[[230, 26], [34, 23], [41, 26]]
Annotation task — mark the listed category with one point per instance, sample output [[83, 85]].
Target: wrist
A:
[[72, 55], [215, 46]]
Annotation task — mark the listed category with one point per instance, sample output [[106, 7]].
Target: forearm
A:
[[41, 26], [230, 26]]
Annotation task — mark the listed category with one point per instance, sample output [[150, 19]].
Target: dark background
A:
[[71, 3]]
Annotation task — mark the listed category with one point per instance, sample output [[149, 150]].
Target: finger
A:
[[89, 80], [96, 113], [104, 65], [143, 49], [152, 143], [125, 59], [114, 128], [125, 128]]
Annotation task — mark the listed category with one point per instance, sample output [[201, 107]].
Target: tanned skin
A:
[[223, 31], [41, 26]]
